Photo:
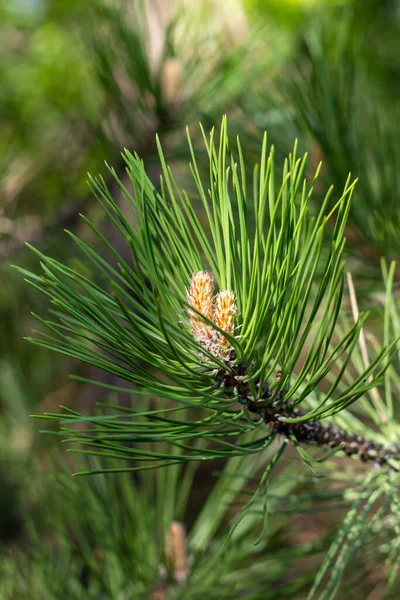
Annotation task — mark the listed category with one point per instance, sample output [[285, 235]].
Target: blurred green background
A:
[[82, 80]]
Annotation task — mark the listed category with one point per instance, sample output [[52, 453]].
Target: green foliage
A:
[[272, 275], [347, 106], [286, 271], [141, 320], [129, 314], [116, 537]]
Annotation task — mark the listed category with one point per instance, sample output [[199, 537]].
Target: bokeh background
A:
[[82, 80]]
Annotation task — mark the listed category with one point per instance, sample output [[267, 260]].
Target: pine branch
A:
[[279, 298], [276, 413]]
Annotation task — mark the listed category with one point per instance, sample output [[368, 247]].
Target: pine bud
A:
[[222, 312], [200, 296], [224, 316]]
